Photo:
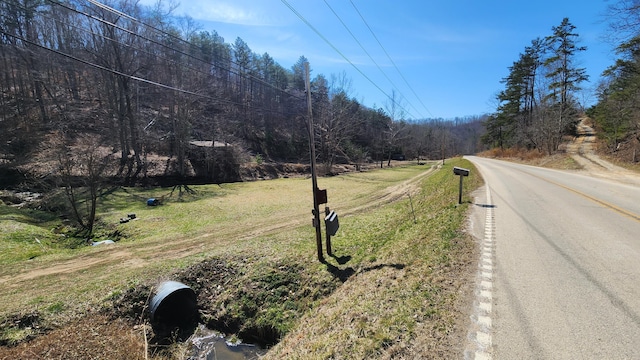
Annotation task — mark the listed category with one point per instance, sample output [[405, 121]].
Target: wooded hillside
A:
[[540, 100], [134, 87], [617, 112], [538, 105]]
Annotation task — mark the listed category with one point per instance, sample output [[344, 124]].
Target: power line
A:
[[369, 55], [389, 57], [116, 72], [250, 76], [135, 78], [179, 39], [125, 45], [117, 42], [339, 52], [110, 9]]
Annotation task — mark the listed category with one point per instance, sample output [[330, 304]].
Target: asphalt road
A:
[[566, 264]]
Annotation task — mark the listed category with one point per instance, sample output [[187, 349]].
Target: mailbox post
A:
[[319, 195], [462, 173], [331, 227]]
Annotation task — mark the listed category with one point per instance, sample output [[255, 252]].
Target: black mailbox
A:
[[331, 222], [461, 171]]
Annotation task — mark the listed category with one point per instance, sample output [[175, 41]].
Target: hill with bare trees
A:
[[131, 91]]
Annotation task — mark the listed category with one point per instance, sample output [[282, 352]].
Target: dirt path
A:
[[582, 150], [408, 187], [180, 248]]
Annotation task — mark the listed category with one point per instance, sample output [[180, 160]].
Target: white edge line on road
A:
[[481, 332]]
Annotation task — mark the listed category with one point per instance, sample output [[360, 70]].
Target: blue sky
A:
[[452, 54]]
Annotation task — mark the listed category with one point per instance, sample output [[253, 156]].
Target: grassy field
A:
[[394, 287]]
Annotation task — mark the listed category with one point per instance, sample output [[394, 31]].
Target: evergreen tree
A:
[[510, 125], [298, 82], [565, 77], [618, 96], [529, 115]]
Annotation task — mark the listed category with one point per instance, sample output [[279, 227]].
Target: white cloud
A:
[[232, 13], [239, 12]]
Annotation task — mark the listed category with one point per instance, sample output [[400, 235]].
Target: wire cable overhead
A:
[[341, 54], [369, 55], [389, 57]]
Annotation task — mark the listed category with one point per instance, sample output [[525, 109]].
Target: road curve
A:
[[566, 266]]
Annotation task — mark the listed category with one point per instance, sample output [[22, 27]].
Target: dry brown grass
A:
[[627, 155], [512, 153], [561, 161], [93, 337]]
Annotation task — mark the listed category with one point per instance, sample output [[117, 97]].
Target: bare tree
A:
[[624, 20], [392, 133], [80, 167]]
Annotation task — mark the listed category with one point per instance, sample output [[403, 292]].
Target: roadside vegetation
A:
[[540, 105], [561, 161], [394, 286]]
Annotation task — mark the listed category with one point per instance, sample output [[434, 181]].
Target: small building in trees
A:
[[214, 161]]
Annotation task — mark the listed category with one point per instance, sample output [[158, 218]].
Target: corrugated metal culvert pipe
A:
[[174, 310]]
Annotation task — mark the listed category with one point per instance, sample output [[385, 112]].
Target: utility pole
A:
[[443, 145], [314, 178]]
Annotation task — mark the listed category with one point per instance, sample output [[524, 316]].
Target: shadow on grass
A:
[[344, 274], [380, 266], [341, 274], [124, 197], [342, 259], [26, 215]]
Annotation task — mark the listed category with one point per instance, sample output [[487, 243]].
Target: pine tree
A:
[[297, 69], [618, 97], [510, 125], [565, 77]]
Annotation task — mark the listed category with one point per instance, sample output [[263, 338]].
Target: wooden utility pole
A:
[[314, 178]]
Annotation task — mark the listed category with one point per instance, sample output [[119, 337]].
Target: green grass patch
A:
[[248, 249], [405, 282], [24, 235]]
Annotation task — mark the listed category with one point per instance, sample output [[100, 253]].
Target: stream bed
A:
[[211, 345]]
